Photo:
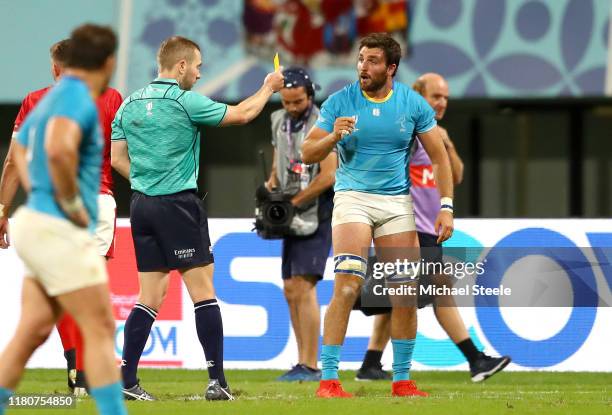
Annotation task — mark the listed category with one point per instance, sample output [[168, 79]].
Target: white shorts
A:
[[105, 229], [386, 214], [60, 255]]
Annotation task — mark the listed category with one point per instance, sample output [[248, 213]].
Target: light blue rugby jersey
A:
[[374, 158], [69, 98]]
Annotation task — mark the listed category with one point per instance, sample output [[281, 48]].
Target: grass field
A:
[[180, 392]]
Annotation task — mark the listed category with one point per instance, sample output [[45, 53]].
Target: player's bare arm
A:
[[455, 161], [322, 181], [250, 108], [62, 140], [434, 146], [120, 159], [9, 183], [319, 143]]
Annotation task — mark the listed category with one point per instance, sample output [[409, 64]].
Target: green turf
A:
[[180, 392]]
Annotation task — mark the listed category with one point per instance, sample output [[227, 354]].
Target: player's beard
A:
[[374, 84]]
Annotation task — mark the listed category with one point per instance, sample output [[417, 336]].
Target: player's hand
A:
[[444, 225], [343, 126], [275, 80], [5, 241], [80, 218]]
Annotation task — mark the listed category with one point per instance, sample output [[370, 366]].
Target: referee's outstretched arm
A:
[[250, 108]]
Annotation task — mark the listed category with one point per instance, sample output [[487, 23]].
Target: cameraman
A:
[[306, 250]]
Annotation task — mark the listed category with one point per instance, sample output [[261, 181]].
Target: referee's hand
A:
[[275, 80], [444, 225]]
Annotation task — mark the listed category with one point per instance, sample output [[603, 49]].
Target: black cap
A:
[[296, 77]]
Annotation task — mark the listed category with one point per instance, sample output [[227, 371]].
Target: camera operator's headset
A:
[[274, 211], [296, 77]]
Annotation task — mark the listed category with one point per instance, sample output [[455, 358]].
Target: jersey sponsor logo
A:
[[422, 176]]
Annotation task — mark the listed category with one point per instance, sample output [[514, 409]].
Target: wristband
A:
[[72, 205], [446, 203]]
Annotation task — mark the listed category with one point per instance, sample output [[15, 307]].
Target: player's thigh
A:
[[39, 312], [352, 238], [91, 309], [402, 245]]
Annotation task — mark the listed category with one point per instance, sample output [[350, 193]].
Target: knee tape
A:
[[350, 264]]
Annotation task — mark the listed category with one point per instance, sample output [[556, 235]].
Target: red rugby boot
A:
[[406, 388], [332, 389]]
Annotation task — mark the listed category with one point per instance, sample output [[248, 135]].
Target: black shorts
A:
[[169, 231], [307, 255], [431, 252]]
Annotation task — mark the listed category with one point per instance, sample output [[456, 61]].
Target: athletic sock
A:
[[402, 358], [70, 356], [330, 359], [209, 326], [5, 394], [469, 350], [135, 335], [80, 352], [372, 358], [81, 380], [109, 399]]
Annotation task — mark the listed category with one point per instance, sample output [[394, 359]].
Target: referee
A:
[[156, 144]]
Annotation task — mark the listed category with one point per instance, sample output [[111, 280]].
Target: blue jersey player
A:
[[371, 122], [58, 154]]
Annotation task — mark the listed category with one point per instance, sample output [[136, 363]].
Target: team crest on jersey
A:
[[402, 123]]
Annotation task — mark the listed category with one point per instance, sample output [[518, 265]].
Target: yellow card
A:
[[276, 62]]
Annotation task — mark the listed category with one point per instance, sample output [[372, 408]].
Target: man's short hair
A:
[[59, 52], [174, 49], [391, 49], [90, 46]]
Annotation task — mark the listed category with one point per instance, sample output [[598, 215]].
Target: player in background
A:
[[372, 123], [425, 195], [58, 155], [108, 103]]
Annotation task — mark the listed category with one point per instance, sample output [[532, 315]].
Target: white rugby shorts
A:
[[61, 256], [105, 229], [386, 214]]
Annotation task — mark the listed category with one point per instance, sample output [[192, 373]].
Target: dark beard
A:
[[375, 84]]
